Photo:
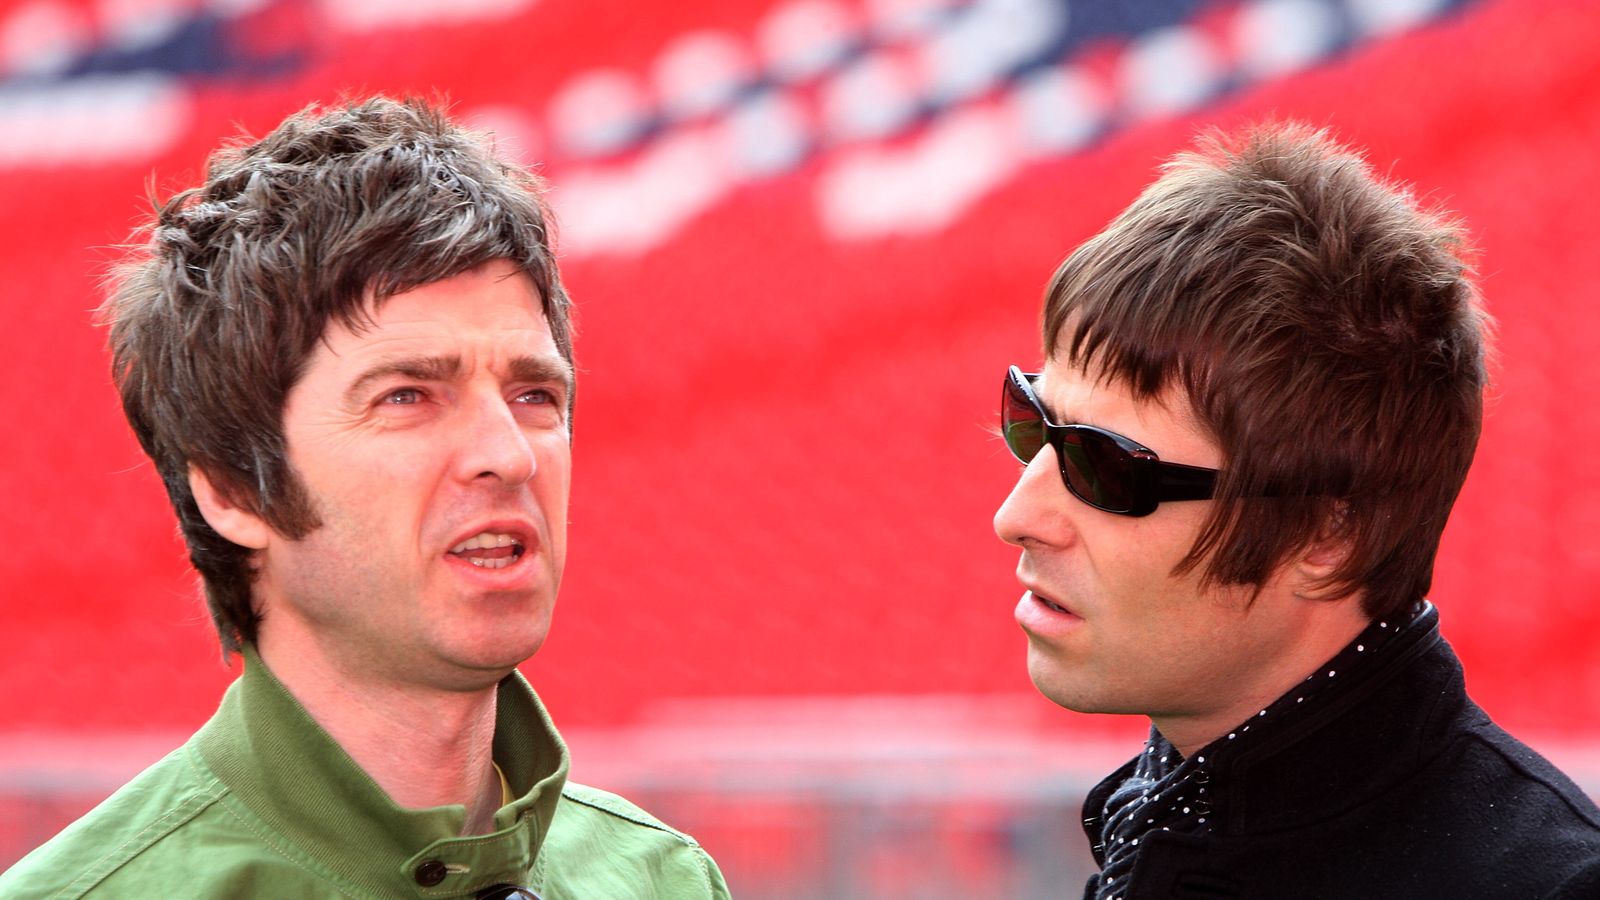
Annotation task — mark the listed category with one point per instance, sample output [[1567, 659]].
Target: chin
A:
[[1066, 689], [474, 672], [1067, 699], [505, 652], [492, 652]]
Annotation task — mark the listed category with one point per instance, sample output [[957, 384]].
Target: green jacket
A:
[[262, 803]]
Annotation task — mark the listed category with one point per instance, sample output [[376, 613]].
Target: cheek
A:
[[554, 478], [351, 464], [1162, 540], [362, 498], [1157, 612], [1134, 558]]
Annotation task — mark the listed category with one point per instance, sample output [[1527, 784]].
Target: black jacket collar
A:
[[1379, 726]]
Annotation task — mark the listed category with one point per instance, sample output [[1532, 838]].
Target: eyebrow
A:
[[542, 370], [537, 369]]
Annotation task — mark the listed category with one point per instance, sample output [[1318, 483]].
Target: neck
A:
[[1322, 635], [425, 747]]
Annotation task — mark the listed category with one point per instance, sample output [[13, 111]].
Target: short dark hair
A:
[[213, 317], [1326, 331]]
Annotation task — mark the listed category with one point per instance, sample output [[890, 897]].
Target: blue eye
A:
[[537, 395], [403, 397]]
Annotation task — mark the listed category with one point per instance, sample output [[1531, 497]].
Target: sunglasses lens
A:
[[1021, 423], [1097, 470], [1094, 465]]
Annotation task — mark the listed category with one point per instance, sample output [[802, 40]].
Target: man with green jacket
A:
[[348, 355]]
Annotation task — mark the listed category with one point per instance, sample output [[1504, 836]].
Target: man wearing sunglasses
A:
[[1261, 393]]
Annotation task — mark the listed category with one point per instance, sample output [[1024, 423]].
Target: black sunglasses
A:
[[1101, 468]]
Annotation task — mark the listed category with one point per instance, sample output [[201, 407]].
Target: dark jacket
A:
[[1400, 787]]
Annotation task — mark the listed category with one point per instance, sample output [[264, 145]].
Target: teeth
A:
[[485, 541], [1053, 606], [491, 563]]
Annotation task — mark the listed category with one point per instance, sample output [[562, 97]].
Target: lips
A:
[[1050, 604], [1047, 601], [495, 545], [1046, 619]]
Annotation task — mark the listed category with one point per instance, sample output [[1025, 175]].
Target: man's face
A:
[[1131, 636], [436, 451]]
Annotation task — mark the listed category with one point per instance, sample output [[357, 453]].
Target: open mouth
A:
[[489, 550], [1050, 605]]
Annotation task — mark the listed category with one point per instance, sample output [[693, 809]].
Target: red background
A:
[[783, 481]]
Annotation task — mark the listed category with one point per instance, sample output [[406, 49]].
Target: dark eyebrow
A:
[[537, 369], [415, 368], [542, 370]]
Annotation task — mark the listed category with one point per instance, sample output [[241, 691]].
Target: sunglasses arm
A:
[[1179, 482]]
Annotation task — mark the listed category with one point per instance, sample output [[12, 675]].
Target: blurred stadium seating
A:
[[805, 238]]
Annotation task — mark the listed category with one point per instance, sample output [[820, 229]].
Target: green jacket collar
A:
[[303, 786]]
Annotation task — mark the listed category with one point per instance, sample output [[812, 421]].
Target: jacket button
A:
[[430, 872]]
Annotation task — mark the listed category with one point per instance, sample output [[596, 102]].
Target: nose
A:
[[1038, 509], [492, 444]]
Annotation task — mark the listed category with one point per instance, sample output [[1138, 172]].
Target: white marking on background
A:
[[632, 208], [922, 187], [131, 25], [42, 38], [804, 39], [873, 98], [1060, 109], [701, 72], [93, 120], [371, 15], [1275, 37], [598, 112], [767, 135], [1381, 17], [1169, 71], [987, 42]]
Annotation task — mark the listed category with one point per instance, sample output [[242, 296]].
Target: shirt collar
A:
[[1220, 784], [1333, 683], [289, 773]]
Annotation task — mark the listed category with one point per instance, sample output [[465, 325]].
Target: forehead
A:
[[494, 308], [1166, 423]]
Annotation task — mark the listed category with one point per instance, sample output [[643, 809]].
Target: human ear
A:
[[227, 518], [1318, 561]]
